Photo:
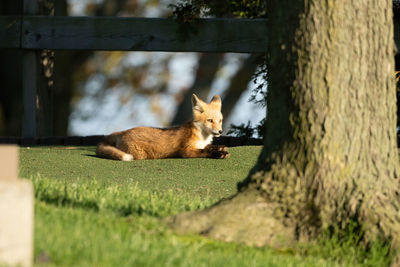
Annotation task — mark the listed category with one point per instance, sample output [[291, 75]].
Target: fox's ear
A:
[[216, 100], [197, 104]]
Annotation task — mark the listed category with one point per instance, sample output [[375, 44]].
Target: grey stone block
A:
[[16, 222], [8, 162]]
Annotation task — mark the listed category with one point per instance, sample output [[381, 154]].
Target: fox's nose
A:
[[220, 131]]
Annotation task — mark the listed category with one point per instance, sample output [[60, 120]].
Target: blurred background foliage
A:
[[97, 92], [220, 8]]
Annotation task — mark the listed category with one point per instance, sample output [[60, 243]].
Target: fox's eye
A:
[[210, 120]]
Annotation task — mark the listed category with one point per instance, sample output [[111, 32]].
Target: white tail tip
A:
[[127, 157]]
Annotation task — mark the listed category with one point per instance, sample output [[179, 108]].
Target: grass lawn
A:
[[96, 212], [200, 177]]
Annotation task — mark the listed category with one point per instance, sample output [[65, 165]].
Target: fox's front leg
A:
[[210, 151], [217, 152]]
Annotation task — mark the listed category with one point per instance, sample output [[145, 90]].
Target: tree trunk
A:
[[330, 156]]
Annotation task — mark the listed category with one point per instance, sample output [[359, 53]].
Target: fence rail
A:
[[133, 34]]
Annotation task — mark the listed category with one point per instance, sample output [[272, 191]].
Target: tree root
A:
[[245, 218]]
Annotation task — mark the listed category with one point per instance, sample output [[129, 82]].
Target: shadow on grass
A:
[[122, 210]]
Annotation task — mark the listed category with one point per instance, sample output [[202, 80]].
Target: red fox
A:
[[190, 140]]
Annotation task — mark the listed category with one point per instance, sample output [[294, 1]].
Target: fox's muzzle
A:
[[216, 134]]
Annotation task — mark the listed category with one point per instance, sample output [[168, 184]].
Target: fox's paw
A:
[[216, 147], [223, 148], [219, 152], [225, 154]]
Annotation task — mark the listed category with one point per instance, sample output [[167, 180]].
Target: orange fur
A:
[[190, 140]]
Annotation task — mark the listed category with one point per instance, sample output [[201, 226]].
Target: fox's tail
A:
[[107, 149]]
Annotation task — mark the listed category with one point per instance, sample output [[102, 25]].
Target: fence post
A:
[[29, 80], [37, 96]]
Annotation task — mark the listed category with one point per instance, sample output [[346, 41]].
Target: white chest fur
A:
[[202, 143]]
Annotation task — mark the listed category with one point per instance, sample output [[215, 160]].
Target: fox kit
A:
[[190, 140]]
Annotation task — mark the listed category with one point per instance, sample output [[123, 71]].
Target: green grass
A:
[[87, 238], [202, 177], [96, 212]]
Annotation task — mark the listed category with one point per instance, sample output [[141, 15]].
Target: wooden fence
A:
[[32, 33]]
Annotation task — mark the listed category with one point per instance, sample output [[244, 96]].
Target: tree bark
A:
[[330, 155]]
